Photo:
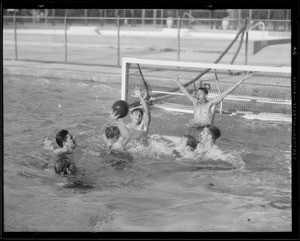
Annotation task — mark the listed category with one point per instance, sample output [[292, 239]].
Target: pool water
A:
[[153, 191]]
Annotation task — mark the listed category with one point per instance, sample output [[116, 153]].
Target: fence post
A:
[[287, 18], [33, 17], [66, 40], [246, 43], [46, 17], [178, 38], [15, 37], [154, 18], [246, 48], [85, 17], [118, 41], [143, 17]]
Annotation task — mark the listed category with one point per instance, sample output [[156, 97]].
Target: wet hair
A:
[[214, 131], [203, 89], [112, 132], [198, 128], [138, 109], [61, 137], [191, 142], [63, 165]]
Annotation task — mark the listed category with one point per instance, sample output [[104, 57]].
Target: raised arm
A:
[[146, 116], [220, 97], [183, 90]]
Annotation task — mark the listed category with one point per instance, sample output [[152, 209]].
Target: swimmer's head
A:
[[112, 132], [214, 131], [211, 132], [190, 141], [137, 115], [203, 89], [65, 140], [201, 93], [64, 166]]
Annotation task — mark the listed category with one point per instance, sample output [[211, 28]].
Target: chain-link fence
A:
[[104, 41]]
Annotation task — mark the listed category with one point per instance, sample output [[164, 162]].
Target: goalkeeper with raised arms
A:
[[204, 110]]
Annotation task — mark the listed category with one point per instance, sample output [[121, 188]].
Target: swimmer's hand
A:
[[136, 92], [114, 116]]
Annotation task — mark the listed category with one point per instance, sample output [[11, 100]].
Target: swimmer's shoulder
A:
[[140, 127], [58, 151], [196, 125], [118, 145], [137, 133]]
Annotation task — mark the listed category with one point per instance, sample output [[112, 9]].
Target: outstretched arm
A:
[[146, 116], [220, 97], [183, 89]]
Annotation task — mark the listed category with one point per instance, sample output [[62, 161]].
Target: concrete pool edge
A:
[[99, 74]]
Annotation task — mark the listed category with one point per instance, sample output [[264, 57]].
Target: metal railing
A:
[[104, 41], [257, 24]]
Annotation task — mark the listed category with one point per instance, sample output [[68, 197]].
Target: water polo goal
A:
[[266, 94]]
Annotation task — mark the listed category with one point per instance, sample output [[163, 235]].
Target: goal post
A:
[[267, 90]]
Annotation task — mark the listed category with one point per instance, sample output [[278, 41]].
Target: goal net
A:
[[266, 91]]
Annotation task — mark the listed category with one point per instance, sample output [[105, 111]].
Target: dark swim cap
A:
[[191, 141], [63, 165], [112, 132]]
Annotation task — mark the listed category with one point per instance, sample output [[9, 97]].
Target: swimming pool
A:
[[154, 192]]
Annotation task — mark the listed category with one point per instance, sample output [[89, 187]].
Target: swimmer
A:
[[65, 166], [116, 135], [178, 147], [208, 149], [207, 141], [204, 110], [67, 143], [187, 145], [140, 117]]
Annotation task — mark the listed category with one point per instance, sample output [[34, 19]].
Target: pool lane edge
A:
[[106, 78]]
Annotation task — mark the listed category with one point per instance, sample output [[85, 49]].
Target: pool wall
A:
[[100, 74]]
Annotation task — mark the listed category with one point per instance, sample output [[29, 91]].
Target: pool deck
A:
[[100, 74]]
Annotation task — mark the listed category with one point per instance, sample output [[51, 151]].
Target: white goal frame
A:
[[125, 75]]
